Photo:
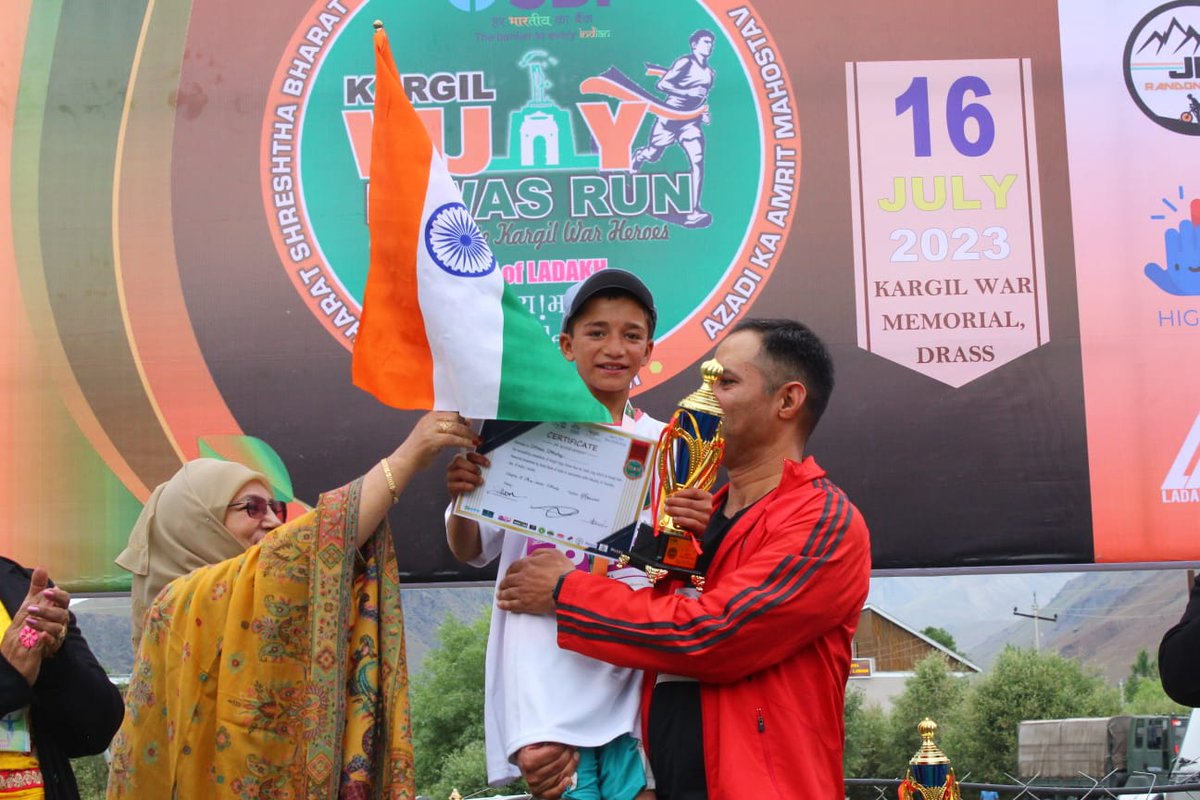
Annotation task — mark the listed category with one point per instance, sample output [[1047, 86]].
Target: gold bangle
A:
[[391, 482]]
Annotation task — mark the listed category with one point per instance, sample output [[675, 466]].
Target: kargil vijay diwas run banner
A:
[[968, 220]]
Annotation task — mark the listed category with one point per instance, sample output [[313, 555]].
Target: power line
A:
[[1037, 639]]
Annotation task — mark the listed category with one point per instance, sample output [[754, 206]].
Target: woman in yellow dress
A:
[[278, 672]]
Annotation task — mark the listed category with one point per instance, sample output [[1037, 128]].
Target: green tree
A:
[[1149, 698], [1024, 684], [941, 636], [447, 711], [866, 743], [933, 691], [1142, 669], [91, 774]]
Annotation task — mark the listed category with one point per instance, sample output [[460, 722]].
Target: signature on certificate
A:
[[557, 512], [502, 492]]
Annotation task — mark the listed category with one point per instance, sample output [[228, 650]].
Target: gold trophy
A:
[[930, 776], [689, 455]]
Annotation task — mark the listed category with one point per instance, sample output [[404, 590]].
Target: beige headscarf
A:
[[182, 528]]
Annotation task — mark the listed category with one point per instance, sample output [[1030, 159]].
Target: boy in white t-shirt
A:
[[538, 697]]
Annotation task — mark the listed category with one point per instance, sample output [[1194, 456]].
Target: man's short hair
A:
[[703, 33], [792, 352]]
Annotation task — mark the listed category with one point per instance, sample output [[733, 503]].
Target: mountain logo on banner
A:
[[1182, 484], [1162, 66], [580, 137]]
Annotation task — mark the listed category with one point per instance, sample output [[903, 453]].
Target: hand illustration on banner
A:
[[1181, 275]]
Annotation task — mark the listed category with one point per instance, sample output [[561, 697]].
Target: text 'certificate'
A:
[[564, 482]]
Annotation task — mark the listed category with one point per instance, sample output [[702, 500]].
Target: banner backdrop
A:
[[980, 206]]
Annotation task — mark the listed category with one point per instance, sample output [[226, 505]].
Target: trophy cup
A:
[[930, 776], [689, 455]]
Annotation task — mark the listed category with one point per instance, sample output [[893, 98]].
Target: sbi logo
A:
[[526, 5]]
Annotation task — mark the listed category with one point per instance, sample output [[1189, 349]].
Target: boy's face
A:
[[609, 342]]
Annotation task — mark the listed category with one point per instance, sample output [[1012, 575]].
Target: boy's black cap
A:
[[575, 297]]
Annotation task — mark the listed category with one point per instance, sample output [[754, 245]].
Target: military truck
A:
[[1126, 750], [1186, 767]]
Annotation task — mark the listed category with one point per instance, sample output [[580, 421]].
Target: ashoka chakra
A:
[[456, 244]]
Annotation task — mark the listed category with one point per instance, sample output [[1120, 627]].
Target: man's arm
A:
[[1179, 655], [811, 576]]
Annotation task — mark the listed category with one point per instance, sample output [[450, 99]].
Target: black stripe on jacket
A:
[[786, 579]]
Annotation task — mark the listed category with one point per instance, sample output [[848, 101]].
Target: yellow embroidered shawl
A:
[[276, 674]]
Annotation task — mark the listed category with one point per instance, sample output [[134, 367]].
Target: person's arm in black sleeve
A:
[[74, 698], [15, 691], [1179, 655]]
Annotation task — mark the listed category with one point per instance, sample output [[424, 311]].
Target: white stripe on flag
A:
[[464, 318]]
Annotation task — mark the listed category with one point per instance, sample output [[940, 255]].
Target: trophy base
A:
[[666, 555]]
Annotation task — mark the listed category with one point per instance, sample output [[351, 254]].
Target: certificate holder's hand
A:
[[528, 586], [547, 768], [691, 509], [465, 473]]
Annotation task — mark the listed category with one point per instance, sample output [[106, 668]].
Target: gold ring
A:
[[444, 426]]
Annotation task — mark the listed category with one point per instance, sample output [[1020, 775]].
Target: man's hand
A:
[[690, 508], [44, 611], [547, 768], [465, 473], [528, 586]]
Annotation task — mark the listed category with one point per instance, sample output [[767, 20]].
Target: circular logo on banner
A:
[[1162, 66], [581, 138]]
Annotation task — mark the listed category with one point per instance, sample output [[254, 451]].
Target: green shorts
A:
[[612, 771]]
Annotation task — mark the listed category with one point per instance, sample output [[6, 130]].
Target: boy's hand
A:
[[464, 474], [547, 768], [690, 508]]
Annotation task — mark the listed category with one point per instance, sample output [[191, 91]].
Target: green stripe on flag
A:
[[536, 382]]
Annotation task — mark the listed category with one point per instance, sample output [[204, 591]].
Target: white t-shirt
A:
[[535, 692]]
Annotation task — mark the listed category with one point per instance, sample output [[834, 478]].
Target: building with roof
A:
[[886, 652]]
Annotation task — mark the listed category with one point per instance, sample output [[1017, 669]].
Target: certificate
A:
[[564, 482]]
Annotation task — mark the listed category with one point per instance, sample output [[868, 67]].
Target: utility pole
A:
[[1037, 639]]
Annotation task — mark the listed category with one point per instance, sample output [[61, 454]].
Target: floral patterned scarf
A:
[[276, 674]]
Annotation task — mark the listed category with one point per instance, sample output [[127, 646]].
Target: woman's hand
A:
[[385, 482], [38, 628], [433, 433]]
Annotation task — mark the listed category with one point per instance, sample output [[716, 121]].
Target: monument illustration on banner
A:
[[541, 134]]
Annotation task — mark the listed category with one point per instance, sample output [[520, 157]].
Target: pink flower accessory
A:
[[28, 637]]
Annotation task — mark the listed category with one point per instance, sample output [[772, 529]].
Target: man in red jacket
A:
[[746, 680]]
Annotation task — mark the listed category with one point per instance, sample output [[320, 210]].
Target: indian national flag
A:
[[439, 328]]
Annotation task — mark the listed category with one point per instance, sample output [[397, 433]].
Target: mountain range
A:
[[1101, 618]]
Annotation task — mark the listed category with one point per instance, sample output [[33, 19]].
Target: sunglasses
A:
[[256, 507]]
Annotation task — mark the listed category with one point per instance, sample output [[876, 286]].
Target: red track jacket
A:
[[769, 639]]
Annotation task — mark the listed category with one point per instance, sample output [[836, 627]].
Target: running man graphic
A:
[[686, 85], [680, 115]]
